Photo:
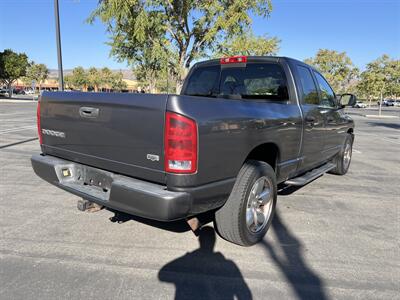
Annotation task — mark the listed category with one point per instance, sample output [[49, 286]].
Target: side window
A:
[[310, 92], [327, 94], [265, 81]]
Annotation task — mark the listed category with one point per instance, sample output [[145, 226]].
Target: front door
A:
[[332, 118]]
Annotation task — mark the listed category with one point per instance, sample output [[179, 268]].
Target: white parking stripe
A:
[[16, 129], [28, 113], [381, 137]]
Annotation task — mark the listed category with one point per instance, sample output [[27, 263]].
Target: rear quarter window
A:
[[203, 81]]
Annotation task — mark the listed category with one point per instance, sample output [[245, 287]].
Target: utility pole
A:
[[58, 40]]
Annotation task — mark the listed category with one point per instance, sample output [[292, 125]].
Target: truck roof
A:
[[251, 59]]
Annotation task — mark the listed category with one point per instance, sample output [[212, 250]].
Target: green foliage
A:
[[106, 78], [153, 65], [12, 66], [78, 79], [145, 32], [336, 67], [249, 44], [95, 79], [117, 84], [37, 72], [381, 76]]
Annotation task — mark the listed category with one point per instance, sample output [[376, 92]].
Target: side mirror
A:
[[347, 100]]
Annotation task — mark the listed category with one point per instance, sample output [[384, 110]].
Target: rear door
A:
[[313, 114]]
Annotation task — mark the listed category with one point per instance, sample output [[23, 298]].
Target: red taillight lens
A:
[[180, 144], [38, 122], [233, 60]]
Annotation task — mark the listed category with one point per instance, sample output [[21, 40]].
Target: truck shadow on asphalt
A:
[[287, 254], [174, 226], [205, 274], [382, 124]]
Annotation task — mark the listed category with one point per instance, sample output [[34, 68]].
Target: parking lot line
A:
[[380, 137], [17, 143], [28, 113], [17, 129]]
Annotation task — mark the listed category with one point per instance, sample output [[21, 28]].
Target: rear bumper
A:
[[130, 195]]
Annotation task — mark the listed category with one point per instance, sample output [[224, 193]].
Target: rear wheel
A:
[[248, 212], [343, 158]]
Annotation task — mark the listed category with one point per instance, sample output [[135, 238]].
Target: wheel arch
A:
[[266, 152], [351, 132]]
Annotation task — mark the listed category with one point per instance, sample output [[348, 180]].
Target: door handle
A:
[[88, 112]]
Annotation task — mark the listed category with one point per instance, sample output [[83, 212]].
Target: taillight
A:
[[233, 60], [38, 122], [180, 144]]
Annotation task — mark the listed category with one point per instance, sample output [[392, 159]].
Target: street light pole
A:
[[58, 40]]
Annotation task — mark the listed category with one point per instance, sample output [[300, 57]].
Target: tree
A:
[[393, 77], [107, 78], [117, 82], [68, 82], [37, 72], [78, 79], [187, 28], [336, 67], [380, 78], [12, 66], [94, 79], [153, 65], [249, 44]]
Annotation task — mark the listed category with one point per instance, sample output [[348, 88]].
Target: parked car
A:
[[241, 126], [390, 102], [29, 92], [4, 93], [384, 102], [19, 92], [387, 102], [360, 104], [396, 103]]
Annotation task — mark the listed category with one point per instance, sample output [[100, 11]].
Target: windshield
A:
[[253, 81]]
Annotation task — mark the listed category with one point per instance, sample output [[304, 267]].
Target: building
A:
[[51, 84]]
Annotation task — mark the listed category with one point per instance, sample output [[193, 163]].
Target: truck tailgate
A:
[[113, 131]]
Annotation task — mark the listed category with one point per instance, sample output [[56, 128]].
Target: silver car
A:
[[360, 104], [4, 93]]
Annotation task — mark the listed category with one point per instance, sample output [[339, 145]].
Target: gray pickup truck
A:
[[241, 126]]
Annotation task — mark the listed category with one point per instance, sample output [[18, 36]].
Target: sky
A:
[[364, 29]]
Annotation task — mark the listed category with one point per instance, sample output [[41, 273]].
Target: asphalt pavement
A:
[[338, 237]]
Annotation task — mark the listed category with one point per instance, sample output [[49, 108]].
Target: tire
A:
[[343, 158], [253, 195]]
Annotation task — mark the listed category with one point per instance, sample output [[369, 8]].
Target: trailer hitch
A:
[[88, 206]]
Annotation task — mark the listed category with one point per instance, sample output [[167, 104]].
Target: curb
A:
[[381, 116]]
